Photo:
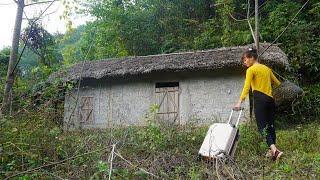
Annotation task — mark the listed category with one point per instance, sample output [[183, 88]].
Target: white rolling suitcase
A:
[[221, 139]]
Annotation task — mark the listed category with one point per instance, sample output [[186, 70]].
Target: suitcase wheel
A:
[[199, 157]]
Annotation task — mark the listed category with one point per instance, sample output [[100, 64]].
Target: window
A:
[[86, 110], [167, 98]]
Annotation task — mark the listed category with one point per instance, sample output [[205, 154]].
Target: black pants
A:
[[264, 110]]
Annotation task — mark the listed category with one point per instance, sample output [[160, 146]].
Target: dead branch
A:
[[141, 169], [54, 175], [111, 160], [42, 2], [54, 163]]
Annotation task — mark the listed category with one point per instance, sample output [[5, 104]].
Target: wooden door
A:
[[167, 99], [86, 110]]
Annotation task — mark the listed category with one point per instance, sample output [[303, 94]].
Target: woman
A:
[[260, 78]]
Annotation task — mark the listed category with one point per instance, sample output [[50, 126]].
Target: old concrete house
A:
[[199, 86]]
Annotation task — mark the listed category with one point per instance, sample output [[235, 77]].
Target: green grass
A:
[[31, 141], [301, 146]]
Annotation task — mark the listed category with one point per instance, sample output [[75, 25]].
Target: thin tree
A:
[[256, 10], [14, 52]]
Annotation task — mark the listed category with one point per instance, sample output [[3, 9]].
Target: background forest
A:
[[144, 27]]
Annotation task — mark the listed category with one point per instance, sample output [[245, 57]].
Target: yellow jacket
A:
[[260, 78]]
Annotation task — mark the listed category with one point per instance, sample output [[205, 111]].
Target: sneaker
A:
[[277, 155]]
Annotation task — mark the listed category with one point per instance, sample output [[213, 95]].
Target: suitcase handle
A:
[[230, 117]]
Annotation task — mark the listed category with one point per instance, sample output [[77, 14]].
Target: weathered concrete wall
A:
[[207, 100], [203, 99], [116, 104]]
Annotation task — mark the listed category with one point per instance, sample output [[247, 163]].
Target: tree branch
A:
[[6, 4], [239, 20], [25, 14], [50, 13], [42, 2]]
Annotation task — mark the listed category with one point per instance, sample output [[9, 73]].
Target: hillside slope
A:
[[33, 147]]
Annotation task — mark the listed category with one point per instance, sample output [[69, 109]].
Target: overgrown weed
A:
[[168, 151]]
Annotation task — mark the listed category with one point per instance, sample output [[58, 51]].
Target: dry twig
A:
[[111, 160], [141, 169], [53, 163]]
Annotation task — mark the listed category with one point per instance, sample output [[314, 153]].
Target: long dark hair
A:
[[249, 53]]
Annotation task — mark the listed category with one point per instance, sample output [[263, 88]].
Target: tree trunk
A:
[[13, 57], [256, 10]]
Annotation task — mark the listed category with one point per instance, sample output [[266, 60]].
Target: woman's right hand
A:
[[237, 106]]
